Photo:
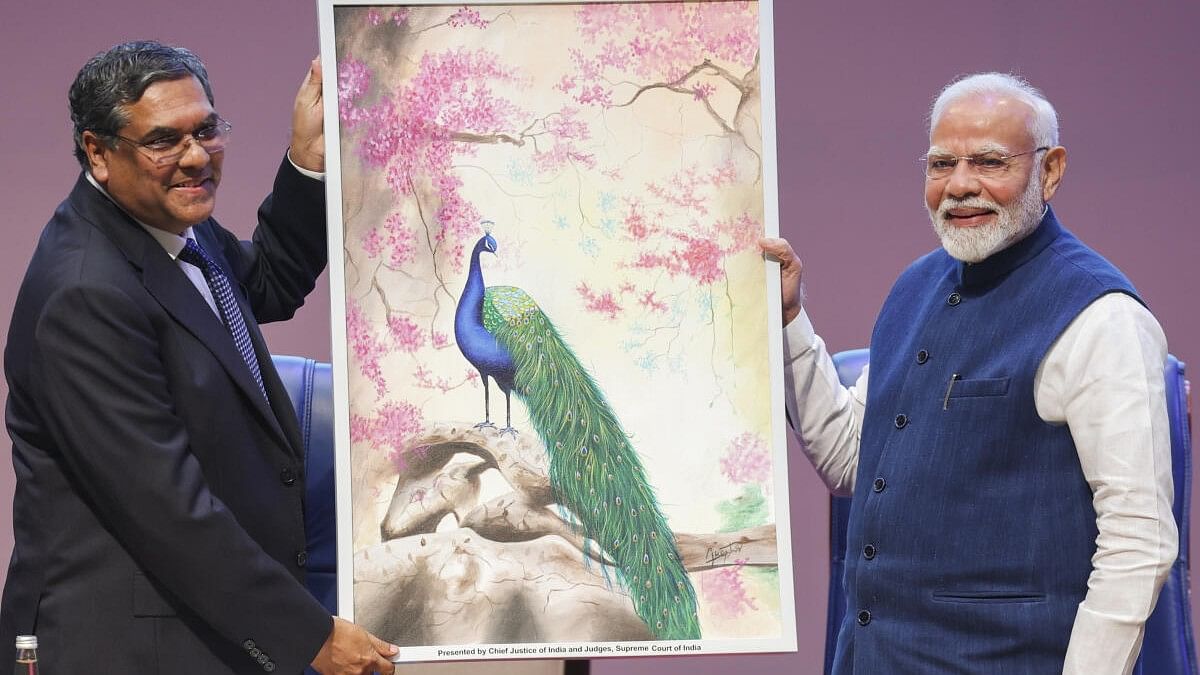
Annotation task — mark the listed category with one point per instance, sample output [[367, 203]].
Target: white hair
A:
[[1045, 120]]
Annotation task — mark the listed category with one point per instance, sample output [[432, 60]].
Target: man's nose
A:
[[194, 155], [962, 181]]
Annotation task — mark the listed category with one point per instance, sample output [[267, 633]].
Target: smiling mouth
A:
[[966, 216], [193, 183]]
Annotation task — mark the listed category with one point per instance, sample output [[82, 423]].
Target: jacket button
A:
[[287, 477], [901, 421], [263, 659], [302, 558], [864, 617], [954, 299], [255, 652], [922, 357], [248, 645], [879, 484], [269, 666], [869, 551]]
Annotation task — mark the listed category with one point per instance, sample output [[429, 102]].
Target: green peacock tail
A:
[[594, 471]]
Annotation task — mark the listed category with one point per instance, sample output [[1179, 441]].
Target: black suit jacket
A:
[[159, 516]]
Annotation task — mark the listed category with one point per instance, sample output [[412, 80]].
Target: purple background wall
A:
[[854, 80]]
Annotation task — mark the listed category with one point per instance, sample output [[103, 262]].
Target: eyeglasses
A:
[[168, 148], [985, 164]]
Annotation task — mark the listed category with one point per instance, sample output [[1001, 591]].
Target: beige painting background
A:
[[687, 381]]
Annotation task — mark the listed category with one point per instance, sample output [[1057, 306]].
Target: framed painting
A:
[[558, 378]]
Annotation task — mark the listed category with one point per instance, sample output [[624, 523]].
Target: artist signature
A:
[[721, 555]]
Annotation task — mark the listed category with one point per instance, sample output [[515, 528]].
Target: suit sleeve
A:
[[111, 415], [279, 267]]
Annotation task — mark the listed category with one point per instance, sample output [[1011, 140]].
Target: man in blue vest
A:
[[1010, 462]]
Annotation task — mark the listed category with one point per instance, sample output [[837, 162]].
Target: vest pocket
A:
[[997, 597], [987, 386]]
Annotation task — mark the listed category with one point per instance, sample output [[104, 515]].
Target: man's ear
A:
[[98, 155], [1054, 165]]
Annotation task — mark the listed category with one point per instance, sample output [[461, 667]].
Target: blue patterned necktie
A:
[[218, 283]]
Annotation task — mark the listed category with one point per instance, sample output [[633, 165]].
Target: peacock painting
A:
[[595, 472]]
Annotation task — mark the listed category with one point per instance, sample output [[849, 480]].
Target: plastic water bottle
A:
[[27, 661]]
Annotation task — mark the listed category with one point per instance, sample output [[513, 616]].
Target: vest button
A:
[[864, 617], [922, 357], [901, 421], [879, 485], [954, 299], [301, 559], [869, 551], [287, 477]]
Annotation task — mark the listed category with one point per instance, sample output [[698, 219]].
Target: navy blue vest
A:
[[971, 529]]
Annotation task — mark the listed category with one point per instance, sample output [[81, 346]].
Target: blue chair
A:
[[1168, 648], [310, 386]]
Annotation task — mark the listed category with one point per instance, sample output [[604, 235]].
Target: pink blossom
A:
[[400, 16], [407, 336], [702, 258], [427, 380], [365, 348], [466, 17], [747, 460], [401, 241], [725, 591], [651, 303], [600, 303], [439, 339], [354, 78], [702, 91], [742, 232], [392, 429], [374, 17], [667, 41], [372, 243]]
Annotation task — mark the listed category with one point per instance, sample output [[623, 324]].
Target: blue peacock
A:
[[594, 471]]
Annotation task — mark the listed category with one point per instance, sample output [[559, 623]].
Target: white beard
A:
[[1013, 223]]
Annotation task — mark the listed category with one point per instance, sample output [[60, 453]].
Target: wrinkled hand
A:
[[791, 272], [308, 129], [352, 650]]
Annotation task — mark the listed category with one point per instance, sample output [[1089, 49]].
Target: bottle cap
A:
[[26, 642]]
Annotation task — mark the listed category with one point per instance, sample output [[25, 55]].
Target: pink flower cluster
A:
[[661, 41], [466, 17], [365, 347], [427, 380], [682, 191], [651, 303], [392, 428], [725, 591], [413, 134], [406, 335], [700, 249], [599, 303], [354, 78], [747, 460]]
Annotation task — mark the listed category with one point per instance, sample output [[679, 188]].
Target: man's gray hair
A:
[[1045, 120], [116, 78]]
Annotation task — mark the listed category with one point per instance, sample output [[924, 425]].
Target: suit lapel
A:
[[172, 289], [281, 405]]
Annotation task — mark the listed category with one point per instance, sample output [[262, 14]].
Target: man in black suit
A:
[[158, 516]]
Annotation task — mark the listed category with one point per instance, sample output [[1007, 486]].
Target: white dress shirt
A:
[[1103, 378]]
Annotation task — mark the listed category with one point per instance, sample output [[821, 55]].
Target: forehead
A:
[[973, 122], [176, 104]]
